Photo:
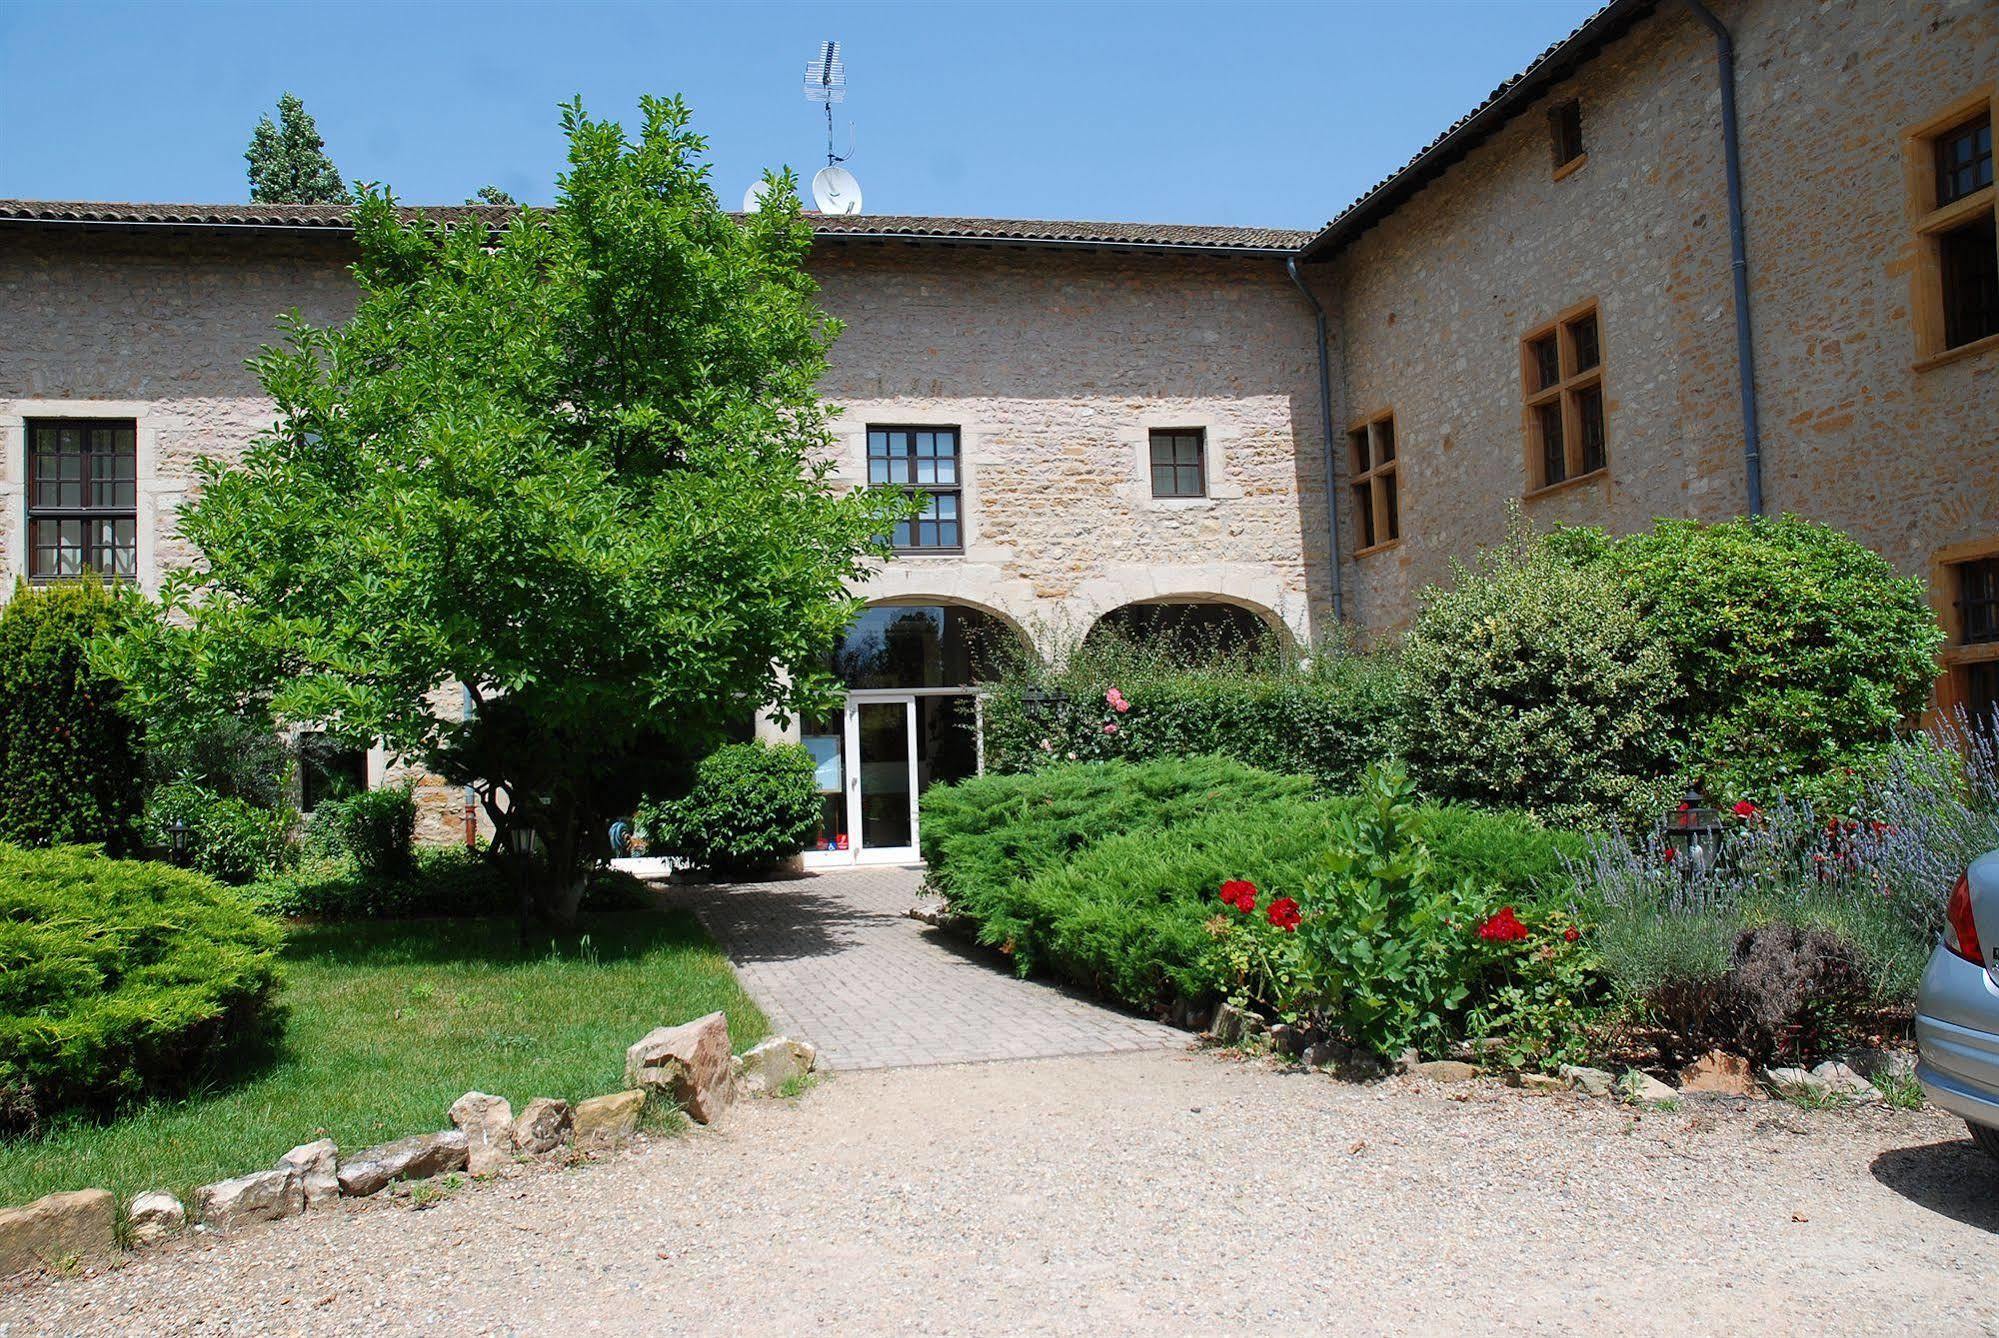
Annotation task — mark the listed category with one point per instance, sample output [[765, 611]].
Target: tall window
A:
[[1957, 274], [1179, 462], [924, 460], [1561, 366], [1565, 135], [82, 498], [1372, 483], [1972, 657]]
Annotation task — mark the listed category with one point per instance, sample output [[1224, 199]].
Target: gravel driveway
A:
[[1149, 1192]]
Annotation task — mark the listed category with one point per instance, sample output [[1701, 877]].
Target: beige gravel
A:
[[1143, 1192]]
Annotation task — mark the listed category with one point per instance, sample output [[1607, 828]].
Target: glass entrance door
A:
[[884, 737]]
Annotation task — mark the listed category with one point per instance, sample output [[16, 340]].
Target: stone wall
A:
[[1435, 300], [1054, 366]]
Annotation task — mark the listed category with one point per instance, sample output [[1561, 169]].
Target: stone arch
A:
[[1200, 622]]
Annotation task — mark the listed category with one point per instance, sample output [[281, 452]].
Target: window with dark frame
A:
[[1978, 601], [924, 460], [1565, 132], [1372, 482], [1561, 368], [1957, 279], [82, 498], [1179, 462], [329, 769]]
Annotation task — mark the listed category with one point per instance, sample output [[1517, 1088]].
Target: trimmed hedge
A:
[[69, 764], [1798, 650], [1328, 719], [752, 805], [1105, 874], [442, 881], [121, 979]]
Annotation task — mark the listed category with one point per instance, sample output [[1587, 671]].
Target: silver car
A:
[[1957, 1008]]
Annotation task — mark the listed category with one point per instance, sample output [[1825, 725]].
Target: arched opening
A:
[[1184, 631], [910, 720]]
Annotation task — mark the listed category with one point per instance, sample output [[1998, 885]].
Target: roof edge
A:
[[1505, 103]]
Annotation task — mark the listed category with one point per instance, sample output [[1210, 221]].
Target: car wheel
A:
[[1986, 1137]]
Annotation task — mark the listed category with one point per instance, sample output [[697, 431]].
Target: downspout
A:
[[1745, 353], [1326, 430]]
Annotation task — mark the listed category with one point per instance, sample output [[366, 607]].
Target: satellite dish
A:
[[835, 191], [753, 198]]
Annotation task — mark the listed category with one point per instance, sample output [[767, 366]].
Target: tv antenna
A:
[[834, 188]]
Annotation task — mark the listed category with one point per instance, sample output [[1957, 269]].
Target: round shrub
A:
[[378, 828], [69, 770], [752, 805], [228, 838], [121, 979], [1533, 684], [1798, 649]]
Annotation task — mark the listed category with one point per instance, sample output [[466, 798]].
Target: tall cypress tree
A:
[[288, 162]]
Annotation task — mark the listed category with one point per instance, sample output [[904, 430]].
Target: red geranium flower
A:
[[1284, 914], [1745, 809], [1571, 934], [1240, 894], [1504, 927], [1669, 854]]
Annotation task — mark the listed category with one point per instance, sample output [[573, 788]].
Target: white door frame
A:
[[858, 851]]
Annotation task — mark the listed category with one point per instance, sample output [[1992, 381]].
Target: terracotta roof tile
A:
[[1000, 231]]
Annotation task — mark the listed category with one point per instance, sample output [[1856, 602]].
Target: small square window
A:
[[1179, 462], [1964, 160], [1565, 132]]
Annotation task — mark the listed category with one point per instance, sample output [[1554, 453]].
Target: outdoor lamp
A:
[[177, 840], [1693, 833], [520, 837]]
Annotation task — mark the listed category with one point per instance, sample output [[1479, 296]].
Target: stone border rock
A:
[[691, 1067]]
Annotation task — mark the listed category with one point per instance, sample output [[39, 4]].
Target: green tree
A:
[[492, 195], [69, 769], [288, 162], [576, 472]]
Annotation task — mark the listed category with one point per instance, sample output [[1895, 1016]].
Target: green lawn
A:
[[389, 1023]]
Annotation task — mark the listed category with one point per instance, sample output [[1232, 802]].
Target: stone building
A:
[[1126, 422]]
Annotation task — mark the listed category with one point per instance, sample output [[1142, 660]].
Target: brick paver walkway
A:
[[834, 959]]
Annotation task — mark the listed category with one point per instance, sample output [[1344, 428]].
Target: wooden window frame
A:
[[1957, 655], [88, 512], [1171, 435], [1565, 163], [1564, 394], [1374, 482], [1930, 221], [954, 490]]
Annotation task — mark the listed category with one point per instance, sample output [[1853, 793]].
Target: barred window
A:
[[924, 460], [82, 498]]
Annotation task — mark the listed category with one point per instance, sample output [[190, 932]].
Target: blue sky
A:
[[1271, 114]]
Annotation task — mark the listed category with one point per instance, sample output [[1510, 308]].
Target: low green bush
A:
[[69, 763], [751, 805], [1105, 874], [983, 835], [228, 838], [442, 881], [1326, 716], [378, 827], [121, 979]]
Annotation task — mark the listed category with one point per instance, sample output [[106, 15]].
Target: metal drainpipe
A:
[[1745, 352], [1325, 428]]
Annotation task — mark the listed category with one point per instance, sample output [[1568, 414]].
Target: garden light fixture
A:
[[178, 839], [1692, 834]]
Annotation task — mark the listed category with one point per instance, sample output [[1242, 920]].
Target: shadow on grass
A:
[[608, 936], [1953, 1178]]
